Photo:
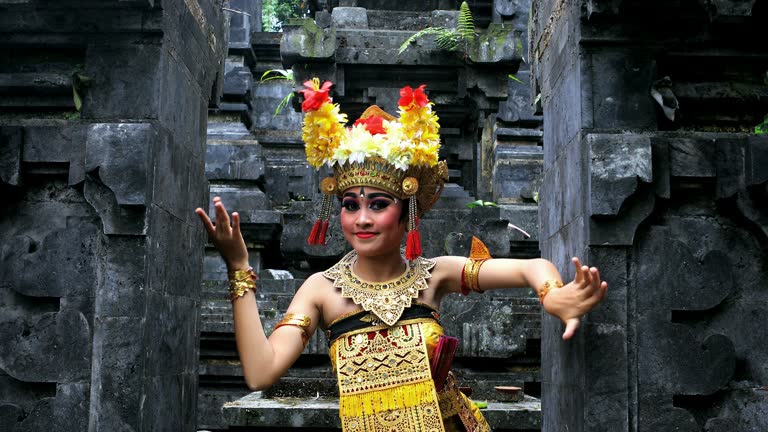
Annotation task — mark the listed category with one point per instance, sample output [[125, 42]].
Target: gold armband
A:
[[478, 255], [547, 287], [297, 320], [240, 282]]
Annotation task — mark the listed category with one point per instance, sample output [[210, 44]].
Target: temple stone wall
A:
[[652, 172], [103, 108]]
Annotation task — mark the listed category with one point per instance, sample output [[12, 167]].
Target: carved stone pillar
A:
[[101, 166], [652, 173]]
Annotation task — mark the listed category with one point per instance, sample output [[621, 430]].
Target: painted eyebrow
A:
[[380, 195], [370, 196]]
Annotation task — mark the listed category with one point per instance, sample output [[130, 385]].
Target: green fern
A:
[[466, 27], [447, 39], [437, 31]]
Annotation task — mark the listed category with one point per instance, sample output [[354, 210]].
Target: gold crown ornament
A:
[[399, 155]]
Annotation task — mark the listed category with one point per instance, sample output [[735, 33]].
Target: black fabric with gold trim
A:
[[364, 319]]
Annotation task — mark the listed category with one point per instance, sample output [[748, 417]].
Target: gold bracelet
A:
[[478, 255], [296, 320], [240, 282], [470, 276], [547, 287]]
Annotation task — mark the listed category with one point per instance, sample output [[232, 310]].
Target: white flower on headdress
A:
[[358, 145]]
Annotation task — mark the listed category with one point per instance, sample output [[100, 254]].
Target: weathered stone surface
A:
[[77, 334], [618, 162], [349, 18], [725, 9], [112, 149], [10, 155], [30, 338], [255, 411], [234, 162], [498, 45], [307, 42]]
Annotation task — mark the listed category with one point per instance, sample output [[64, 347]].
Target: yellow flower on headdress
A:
[[322, 133], [420, 123], [425, 153]]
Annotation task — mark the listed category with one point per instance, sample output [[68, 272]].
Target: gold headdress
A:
[[399, 155]]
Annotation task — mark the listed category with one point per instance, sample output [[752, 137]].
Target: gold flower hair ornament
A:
[[399, 155]]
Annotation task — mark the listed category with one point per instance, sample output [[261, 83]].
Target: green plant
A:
[[276, 12], [79, 83], [762, 128], [516, 79], [449, 39], [481, 203], [279, 74]]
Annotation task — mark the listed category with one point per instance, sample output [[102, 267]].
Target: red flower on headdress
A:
[[314, 95], [373, 124], [410, 97]]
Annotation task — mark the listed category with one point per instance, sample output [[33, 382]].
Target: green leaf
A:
[[762, 128], [76, 98], [79, 82], [515, 79], [474, 204], [481, 203], [283, 103], [280, 74]]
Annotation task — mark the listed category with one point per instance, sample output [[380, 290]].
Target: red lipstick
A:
[[364, 235]]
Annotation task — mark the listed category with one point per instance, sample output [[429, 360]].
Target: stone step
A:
[[255, 410]]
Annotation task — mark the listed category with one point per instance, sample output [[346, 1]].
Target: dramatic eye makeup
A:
[[350, 204], [374, 201]]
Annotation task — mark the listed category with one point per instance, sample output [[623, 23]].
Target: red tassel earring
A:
[[319, 230], [413, 241]]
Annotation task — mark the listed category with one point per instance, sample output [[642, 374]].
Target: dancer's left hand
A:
[[576, 298]]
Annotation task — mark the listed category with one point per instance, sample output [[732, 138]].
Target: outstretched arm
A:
[[568, 303], [264, 360]]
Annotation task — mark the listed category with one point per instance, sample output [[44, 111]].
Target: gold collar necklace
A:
[[386, 300]]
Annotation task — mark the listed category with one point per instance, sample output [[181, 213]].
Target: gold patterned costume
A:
[[383, 369]]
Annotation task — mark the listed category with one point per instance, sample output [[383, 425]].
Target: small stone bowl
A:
[[509, 394]]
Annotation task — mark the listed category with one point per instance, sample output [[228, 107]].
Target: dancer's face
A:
[[370, 219]]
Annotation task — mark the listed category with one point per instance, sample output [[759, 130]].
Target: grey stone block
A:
[[234, 161], [117, 380], [59, 143], [166, 407], [515, 176], [29, 338], [240, 199], [10, 155], [45, 252], [71, 406], [307, 42], [115, 93], [171, 327], [618, 162], [349, 18]]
